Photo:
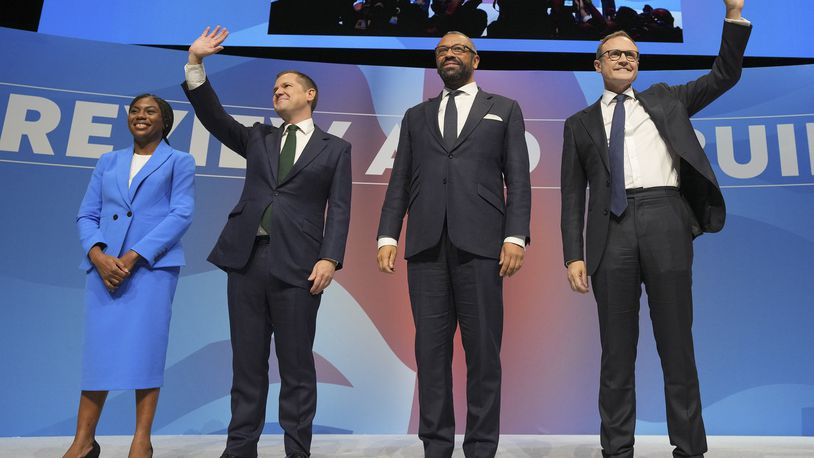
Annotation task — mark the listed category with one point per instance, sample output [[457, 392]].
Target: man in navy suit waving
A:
[[652, 190], [456, 153], [280, 247]]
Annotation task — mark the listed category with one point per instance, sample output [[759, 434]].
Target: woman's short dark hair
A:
[[167, 116]]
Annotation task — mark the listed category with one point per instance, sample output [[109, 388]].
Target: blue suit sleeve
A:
[[726, 71], [517, 178], [90, 210], [573, 183], [337, 220], [210, 112], [396, 199]]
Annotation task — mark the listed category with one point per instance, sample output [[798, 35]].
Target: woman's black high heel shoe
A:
[[94, 452]]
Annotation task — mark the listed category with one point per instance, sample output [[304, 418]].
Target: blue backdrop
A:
[[63, 103]]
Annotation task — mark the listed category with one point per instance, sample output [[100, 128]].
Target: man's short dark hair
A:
[[471, 43], [306, 81], [620, 33]]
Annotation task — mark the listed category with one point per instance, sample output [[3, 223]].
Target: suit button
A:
[[605, 211], [449, 155], [607, 183], [115, 217], [276, 193], [444, 181], [129, 214]]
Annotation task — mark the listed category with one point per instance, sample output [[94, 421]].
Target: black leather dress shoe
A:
[[95, 451]]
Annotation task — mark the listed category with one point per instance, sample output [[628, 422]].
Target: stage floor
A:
[[403, 446]]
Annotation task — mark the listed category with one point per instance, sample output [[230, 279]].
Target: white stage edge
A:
[[408, 446]]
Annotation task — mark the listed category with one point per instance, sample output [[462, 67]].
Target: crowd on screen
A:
[[542, 19]]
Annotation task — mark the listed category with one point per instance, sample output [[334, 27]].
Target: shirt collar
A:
[[468, 89], [608, 96], [306, 126]]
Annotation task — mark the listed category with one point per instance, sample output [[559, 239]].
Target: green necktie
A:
[[285, 164], [287, 153]]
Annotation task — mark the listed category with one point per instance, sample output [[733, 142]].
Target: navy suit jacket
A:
[[585, 154], [302, 232], [149, 217], [462, 185]]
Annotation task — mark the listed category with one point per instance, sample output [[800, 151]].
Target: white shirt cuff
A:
[[741, 21], [516, 240], [195, 75], [384, 241]]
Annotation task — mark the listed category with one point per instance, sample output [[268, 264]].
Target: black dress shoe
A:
[[227, 455], [94, 452]]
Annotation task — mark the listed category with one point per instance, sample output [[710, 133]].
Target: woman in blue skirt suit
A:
[[137, 206]]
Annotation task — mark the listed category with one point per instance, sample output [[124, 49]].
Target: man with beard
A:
[[652, 190], [455, 153]]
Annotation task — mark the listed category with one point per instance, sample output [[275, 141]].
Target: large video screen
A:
[[500, 25], [658, 20]]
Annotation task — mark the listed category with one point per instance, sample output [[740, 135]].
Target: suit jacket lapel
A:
[[655, 108], [431, 113], [595, 125], [159, 156], [480, 107], [315, 145], [273, 152], [124, 159]]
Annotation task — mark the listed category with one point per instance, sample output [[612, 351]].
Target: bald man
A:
[[456, 153]]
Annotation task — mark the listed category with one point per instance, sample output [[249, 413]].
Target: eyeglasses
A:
[[458, 50], [616, 54]]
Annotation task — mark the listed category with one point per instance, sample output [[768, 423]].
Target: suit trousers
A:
[[450, 287], [650, 243], [260, 305]]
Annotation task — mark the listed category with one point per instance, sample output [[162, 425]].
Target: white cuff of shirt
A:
[[521, 241], [385, 241], [741, 21], [195, 75]]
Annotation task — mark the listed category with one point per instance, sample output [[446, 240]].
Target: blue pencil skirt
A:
[[126, 331]]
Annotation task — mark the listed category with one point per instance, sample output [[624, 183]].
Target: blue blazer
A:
[[149, 217], [310, 206]]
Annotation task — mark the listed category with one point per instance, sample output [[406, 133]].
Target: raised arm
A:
[[207, 44], [726, 70], [203, 98]]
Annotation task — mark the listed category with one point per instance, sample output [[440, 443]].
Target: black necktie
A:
[[451, 120], [284, 165], [616, 153]]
